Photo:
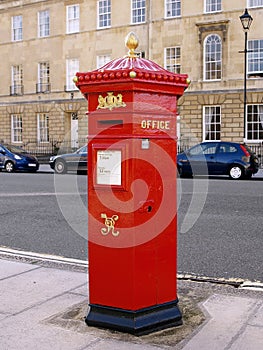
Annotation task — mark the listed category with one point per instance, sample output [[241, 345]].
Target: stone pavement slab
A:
[[9, 268], [31, 295], [35, 286], [251, 334], [43, 307], [229, 325]]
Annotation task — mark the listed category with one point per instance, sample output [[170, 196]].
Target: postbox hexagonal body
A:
[[132, 221]]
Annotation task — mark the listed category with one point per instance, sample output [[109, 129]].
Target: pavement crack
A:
[[47, 300], [20, 273], [242, 329]]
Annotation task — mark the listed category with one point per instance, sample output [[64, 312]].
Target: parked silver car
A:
[[76, 161]]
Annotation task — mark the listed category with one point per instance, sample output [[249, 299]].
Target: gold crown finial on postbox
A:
[[132, 42]]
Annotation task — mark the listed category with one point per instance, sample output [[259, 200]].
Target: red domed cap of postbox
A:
[[131, 68]]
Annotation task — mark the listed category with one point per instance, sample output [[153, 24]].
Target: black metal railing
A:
[[44, 150], [43, 88], [70, 88], [258, 150], [16, 90]]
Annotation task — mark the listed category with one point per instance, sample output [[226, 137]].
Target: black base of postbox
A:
[[140, 322]]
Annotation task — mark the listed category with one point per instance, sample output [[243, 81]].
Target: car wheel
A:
[[9, 167], [60, 166], [236, 172]]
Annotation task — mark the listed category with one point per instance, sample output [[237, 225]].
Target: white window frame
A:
[[103, 13], [72, 67], [42, 127], [215, 58], [17, 80], [254, 126], [172, 8], [17, 28], [102, 60], [138, 11], [254, 3], [212, 123], [172, 59], [43, 24], [72, 18], [43, 77], [255, 57], [16, 128], [211, 6]]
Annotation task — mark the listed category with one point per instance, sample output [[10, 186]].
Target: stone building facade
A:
[[43, 44]]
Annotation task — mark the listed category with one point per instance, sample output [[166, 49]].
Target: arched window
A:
[[212, 57]]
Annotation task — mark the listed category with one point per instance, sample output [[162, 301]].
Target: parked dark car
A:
[[13, 158], [76, 161], [218, 158]]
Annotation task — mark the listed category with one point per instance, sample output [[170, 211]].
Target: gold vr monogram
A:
[[155, 124]]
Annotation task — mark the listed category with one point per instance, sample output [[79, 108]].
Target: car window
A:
[[82, 150], [15, 149], [225, 148], [201, 149], [209, 149], [195, 151]]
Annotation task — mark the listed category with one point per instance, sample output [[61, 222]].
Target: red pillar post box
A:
[[132, 226]]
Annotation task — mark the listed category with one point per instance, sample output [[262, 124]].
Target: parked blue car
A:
[[218, 158], [14, 158]]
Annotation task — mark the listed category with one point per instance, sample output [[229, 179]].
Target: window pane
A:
[[43, 77], [72, 19], [213, 5], [17, 130], [43, 72], [104, 13], [138, 11], [17, 80], [43, 127], [212, 123], [213, 57], [254, 122], [17, 28], [72, 69], [173, 59], [102, 60], [255, 3], [43, 23], [255, 57], [172, 8]]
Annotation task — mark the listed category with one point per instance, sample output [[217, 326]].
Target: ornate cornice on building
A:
[[70, 106], [212, 99], [180, 101], [252, 98], [209, 27], [43, 108], [15, 109]]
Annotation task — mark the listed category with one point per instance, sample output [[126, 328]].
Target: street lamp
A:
[[246, 21]]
